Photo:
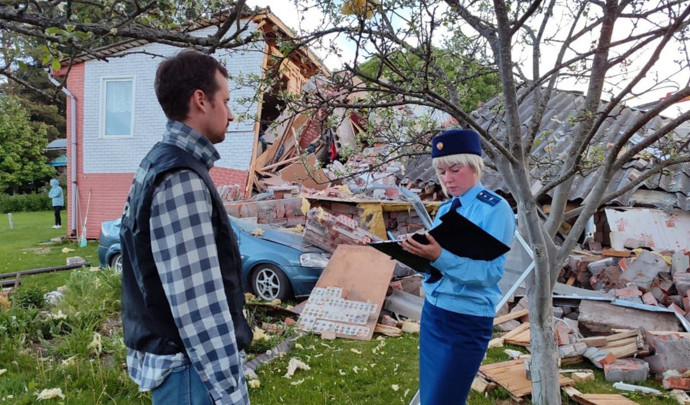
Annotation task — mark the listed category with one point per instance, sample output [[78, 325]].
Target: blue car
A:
[[276, 264]]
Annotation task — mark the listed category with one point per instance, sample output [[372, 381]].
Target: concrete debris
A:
[[627, 370]]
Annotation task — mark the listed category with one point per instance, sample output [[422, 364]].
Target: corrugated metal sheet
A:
[[557, 134]]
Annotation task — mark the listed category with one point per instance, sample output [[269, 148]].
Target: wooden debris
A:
[[580, 377], [505, 318], [498, 342], [480, 384], [519, 339], [596, 399], [511, 376], [603, 399], [388, 330]]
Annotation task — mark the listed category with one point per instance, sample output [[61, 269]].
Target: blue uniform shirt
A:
[[471, 286]]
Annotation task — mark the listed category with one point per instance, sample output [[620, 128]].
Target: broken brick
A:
[[599, 357], [563, 336], [680, 383], [628, 291], [671, 353], [648, 298], [627, 370]]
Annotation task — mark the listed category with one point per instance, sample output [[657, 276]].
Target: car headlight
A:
[[313, 260]]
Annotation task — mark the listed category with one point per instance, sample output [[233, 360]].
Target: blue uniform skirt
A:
[[451, 349]]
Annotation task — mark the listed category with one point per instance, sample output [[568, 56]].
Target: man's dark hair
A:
[[178, 77]]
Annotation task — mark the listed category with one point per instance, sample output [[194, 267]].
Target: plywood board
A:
[[362, 274], [312, 177], [511, 376]]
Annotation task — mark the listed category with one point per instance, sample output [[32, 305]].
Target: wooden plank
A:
[[594, 341], [522, 339], [622, 335], [602, 399], [511, 376], [284, 162], [624, 351], [509, 317], [364, 274], [523, 327], [480, 384], [571, 391], [685, 335], [621, 342]]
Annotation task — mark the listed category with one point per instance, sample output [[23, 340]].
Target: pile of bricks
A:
[[628, 355], [285, 212], [327, 231], [652, 278]]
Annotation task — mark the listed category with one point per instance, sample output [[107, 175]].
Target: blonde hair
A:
[[462, 159]]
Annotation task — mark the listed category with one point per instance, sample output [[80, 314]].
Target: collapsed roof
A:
[[668, 190]]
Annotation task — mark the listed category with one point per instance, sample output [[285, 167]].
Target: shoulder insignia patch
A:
[[488, 198]]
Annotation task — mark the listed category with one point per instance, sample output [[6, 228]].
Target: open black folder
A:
[[456, 234]]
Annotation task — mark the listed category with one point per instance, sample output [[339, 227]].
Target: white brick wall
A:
[[112, 155]]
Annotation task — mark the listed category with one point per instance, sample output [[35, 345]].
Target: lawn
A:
[[76, 345], [28, 246]]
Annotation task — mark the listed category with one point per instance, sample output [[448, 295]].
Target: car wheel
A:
[[116, 263], [270, 283]]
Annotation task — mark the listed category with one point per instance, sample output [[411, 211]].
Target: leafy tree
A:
[[21, 148], [54, 33], [483, 85], [612, 50]]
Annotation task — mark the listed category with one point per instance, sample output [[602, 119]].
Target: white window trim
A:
[[101, 114]]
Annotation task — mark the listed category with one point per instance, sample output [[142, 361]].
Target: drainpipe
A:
[[73, 155]]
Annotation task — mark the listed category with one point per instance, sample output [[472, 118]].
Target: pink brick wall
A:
[[108, 196], [75, 84], [225, 177]]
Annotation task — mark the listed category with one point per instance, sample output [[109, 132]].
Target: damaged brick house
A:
[[117, 118]]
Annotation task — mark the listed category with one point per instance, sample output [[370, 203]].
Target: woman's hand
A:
[[430, 251]]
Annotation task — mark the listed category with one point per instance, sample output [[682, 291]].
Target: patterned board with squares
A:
[[328, 310]]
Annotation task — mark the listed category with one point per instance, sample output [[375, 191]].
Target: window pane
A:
[[118, 107]]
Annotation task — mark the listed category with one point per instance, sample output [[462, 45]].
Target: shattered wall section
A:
[[327, 231], [286, 212]]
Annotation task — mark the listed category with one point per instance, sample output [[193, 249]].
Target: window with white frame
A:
[[117, 107]]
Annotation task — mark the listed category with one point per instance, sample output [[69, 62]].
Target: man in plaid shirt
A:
[[182, 294]]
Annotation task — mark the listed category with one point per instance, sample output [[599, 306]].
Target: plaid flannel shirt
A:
[[184, 248]]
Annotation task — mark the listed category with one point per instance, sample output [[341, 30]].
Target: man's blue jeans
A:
[[182, 387]]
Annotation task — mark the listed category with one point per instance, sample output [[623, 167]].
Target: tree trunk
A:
[[544, 364], [544, 350]]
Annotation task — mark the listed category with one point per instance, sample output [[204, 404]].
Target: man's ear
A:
[[198, 100]]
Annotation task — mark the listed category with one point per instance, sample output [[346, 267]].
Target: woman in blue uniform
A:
[[457, 318]]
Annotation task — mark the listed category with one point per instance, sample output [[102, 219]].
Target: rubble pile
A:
[[660, 279], [327, 231]]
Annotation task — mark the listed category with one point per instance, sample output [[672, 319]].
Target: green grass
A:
[[83, 353], [27, 246]]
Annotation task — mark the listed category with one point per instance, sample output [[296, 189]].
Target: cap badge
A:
[[439, 146]]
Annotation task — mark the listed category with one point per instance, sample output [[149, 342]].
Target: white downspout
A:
[[73, 155]]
